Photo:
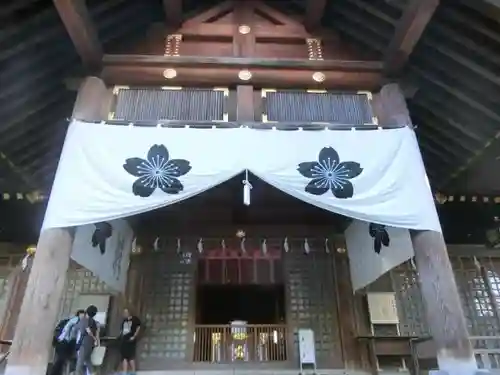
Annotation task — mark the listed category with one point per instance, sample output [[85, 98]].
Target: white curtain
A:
[[374, 249], [104, 248], [108, 171]]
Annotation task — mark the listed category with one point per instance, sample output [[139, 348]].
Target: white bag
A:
[[97, 356]]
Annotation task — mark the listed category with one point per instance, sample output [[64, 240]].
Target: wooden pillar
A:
[[443, 307], [30, 352], [244, 40]]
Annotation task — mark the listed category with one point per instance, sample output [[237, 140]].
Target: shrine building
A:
[[272, 187]]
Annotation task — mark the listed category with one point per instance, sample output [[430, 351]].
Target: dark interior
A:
[[255, 304]]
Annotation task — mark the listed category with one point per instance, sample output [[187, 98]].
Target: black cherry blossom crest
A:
[[102, 232], [380, 236], [329, 174], [157, 171]]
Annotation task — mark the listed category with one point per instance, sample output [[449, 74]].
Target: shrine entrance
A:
[[240, 308]]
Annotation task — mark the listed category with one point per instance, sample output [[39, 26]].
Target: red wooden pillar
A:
[[443, 307], [30, 352]]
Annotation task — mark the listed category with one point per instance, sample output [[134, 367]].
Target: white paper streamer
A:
[[178, 246], [223, 244], [477, 263], [242, 245], [24, 262], [156, 244], [412, 262], [307, 249], [264, 246], [327, 248], [285, 245], [200, 245]]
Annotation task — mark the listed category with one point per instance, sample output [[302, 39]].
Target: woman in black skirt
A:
[[131, 327]]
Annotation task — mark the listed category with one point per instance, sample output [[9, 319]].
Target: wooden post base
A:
[[25, 370], [31, 348], [442, 303], [457, 366]]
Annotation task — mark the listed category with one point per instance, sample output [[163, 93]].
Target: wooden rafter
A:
[[314, 13], [275, 16], [173, 12], [76, 18], [408, 31], [211, 14], [226, 31]]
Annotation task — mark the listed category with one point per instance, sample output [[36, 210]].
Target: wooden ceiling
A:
[[446, 57]]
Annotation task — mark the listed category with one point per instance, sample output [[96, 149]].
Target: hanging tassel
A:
[[178, 246], [286, 247], [200, 245], [307, 249], [223, 245], [247, 187], [327, 248], [156, 244], [263, 246], [242, 245]]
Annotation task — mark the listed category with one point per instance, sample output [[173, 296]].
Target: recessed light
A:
[[169, 73], [244, 75], [244, 29], [318, 77]]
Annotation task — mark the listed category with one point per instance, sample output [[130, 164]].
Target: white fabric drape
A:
[[108, 171], [105, 250], [375, 249]]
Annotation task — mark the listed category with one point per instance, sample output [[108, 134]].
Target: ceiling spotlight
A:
[[318, 77], [244, 29], [169, 73], [244, 75]]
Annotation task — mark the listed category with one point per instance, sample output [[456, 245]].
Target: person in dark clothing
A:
[[65, 343], [131, 327], [88, 338]]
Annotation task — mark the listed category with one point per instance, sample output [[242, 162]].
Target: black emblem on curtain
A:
[[102, 232], [157, 171], [380, 236], [330, 174]]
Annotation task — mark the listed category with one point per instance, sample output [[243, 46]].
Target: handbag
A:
[[97, 356]]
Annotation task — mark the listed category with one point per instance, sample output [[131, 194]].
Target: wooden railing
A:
[[251, 343]]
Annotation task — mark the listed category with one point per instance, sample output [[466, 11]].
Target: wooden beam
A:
[[261, 78], [223, 71], [314, 13], [409, 29], [173, 12], [76, 18], [203, 62]]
